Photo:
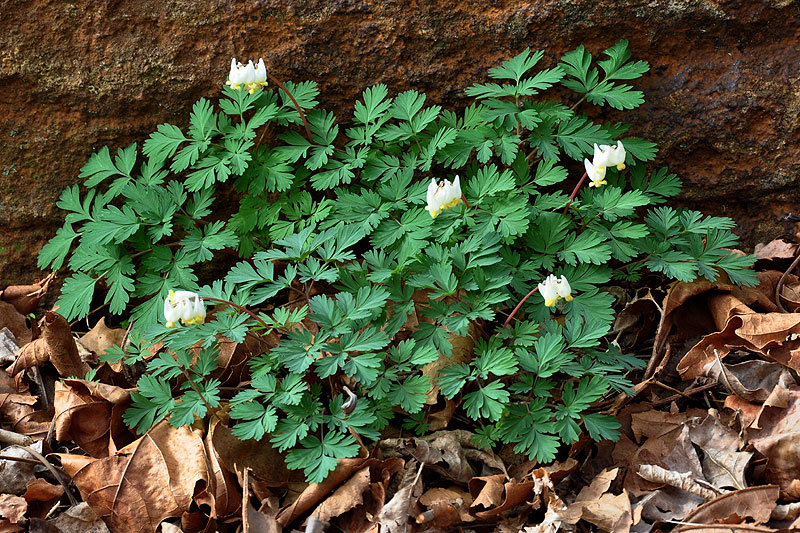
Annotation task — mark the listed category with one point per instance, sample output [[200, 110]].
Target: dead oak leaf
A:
[[90, 414], [13, 507], [151, 479], [55, 346]]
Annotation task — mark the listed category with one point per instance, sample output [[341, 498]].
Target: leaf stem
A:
[[510, 316], [575, 192], [211, 411], [240, 308], [272, 79]]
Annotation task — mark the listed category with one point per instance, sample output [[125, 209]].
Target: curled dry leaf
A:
[[449, 506], [754, 381], [680, 480], [396, 514], [353, 506], [637, 321], [738, 327], [221, 494], [56, 346], [497, 495], [756, 503], [149, 480], [41, 496], [90, 414], [25, 298]]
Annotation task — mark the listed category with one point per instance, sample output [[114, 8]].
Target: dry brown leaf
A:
[[396, 514], [15, 322], [738, 327], [449, 506], [349, 495], [637, 321], [56, 346], [680, 480], [611, 513], [264, 462], [779, 442], [90, 414], [591, 492], [16, 410], [776, 249], [487, 491], [149, 480], [221, 494], [756, 503], [101, 337], [41, 496], [442, 451], [754, 381], [12, 507], [315, 492], [80, 519], [25, 298], [513, 493]]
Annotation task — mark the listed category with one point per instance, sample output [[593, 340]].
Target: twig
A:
[[672, 389], [689, 392], [42, 459], [296, 105], [12, 437], [779, 286]]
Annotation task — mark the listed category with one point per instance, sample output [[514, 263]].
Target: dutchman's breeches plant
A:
[[384, 263]]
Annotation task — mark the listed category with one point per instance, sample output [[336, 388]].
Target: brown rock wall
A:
[[722, 95]]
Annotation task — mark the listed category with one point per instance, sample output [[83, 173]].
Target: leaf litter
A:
[[710, 441]]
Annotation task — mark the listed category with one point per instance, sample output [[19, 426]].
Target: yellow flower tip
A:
[[171, 293], [434, 214], [550, 303], [199, 319], [452, 203], [621, 166], [170, 323], [568, 297]]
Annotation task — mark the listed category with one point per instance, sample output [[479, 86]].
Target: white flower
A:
[[250, 76], [549, 290], [552, 289], [614, 155], [184, 306], [596, 173], [564, 290], [443, 195]]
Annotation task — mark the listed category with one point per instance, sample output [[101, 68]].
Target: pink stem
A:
[[518, 306], [575, 192], [239, 307], [465, 201]]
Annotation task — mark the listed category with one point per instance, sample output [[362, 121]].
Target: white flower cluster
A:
[[251, 77], [184, 306], [553, 288], [604, 156], [443, 195]]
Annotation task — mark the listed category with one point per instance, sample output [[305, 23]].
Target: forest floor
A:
[[710, 439]]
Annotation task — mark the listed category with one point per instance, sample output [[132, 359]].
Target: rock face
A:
[[723, 93]]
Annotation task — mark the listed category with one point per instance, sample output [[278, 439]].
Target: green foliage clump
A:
[[353, 284]]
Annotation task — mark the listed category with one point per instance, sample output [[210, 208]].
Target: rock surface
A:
[[723, 93]]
